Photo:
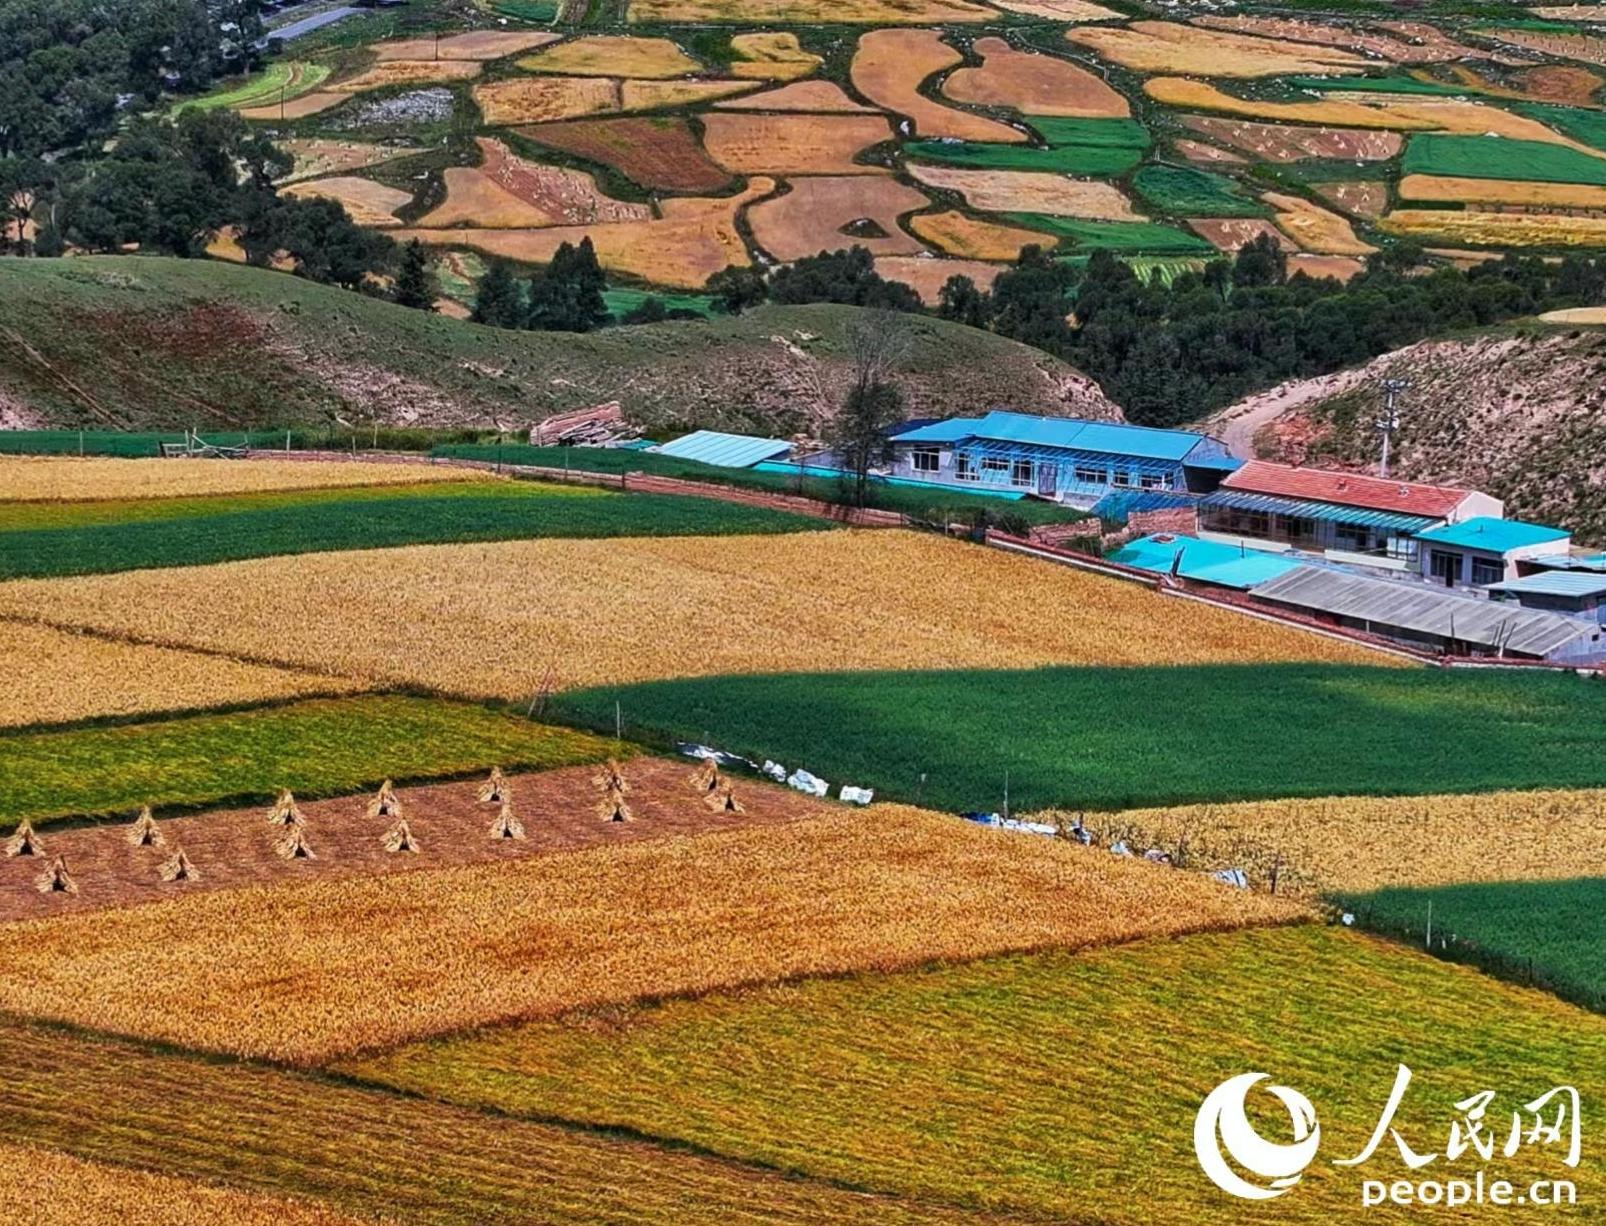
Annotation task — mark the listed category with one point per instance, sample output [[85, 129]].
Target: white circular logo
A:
[[1222, 1130]]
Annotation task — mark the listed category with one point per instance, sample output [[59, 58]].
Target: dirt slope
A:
[[1520, 413], [147, 342]]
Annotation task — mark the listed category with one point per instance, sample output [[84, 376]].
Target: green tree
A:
[[860, 433], [415, 284], [1260, 262], [737, 289], [497, 300], [567, 295], [963, 303]]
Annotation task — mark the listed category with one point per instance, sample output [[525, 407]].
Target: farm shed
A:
[[1189, 557], [1579, 593], [1063, 458], [1479, 551], [1458, 623], [1346, 516], [725, 450]]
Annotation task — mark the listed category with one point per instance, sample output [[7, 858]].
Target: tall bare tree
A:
[[878, 342]]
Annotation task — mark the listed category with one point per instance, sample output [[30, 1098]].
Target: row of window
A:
[[1024, 472]]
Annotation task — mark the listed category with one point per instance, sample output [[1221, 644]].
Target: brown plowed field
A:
[[1381, 45], [793, 144], [822, 97], [324, 157], [809, 218], [1033, 84], [1209, 155], [295, 108], [1170, 47], [1029, 191], [1589, 48], [961, 235], [888, 68], [1271, 142], [1231, 234], [1339, 267], [473, 45], [1358, 197], [507, 191], [927, 276], [660, 151], [233, 848]]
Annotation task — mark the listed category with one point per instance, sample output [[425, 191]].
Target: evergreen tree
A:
[[960, 301], [415, 286], [567, 295], [497, 300], [737, 289]]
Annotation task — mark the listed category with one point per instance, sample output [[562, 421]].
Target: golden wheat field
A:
[[959, 234], [1449, 188], [1169, 47], [50, 1189], [1314, 228], [772, 56], [1497, 229], [495, 620], [55, 676], [312, 972], [56, 479], [1365, 843]]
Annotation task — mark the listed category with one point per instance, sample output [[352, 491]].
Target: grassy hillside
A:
[[158, 343]]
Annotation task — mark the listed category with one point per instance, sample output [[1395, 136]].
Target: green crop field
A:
[[1134, 237], [1062, 159], [317, 747], [291, 77], [1019, 1084], [1119, 738], [1548, 933], [1167, 268], [1489, 157], [1182, 191], [1585, 127], [1379, 85], [431, 514], [622, 301], [1097, 133]]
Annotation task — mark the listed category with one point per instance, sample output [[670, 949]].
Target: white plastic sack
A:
[[857, 796], [1119, 848], [774, 770], [1233, 877], [810, 784]]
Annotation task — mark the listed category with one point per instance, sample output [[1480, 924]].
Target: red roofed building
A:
[[1355, 517]]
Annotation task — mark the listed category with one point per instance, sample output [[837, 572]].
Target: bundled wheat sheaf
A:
[[179, 868], [145, 832], [24, 842], [705, 778], [285, 811], [506, 826], [385, 802], [494, 790], [400, 838], [56, 879], [723, 800], [612, 807], [294, 845]]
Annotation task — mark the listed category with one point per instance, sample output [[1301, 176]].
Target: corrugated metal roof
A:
[[1329, 512], [1217, 463], [1346, 489], [1567, 561], [1426, 610], [1493, 535], [1206, 561], [1069, 433], [1555, 583], [1118, 504], [725, 450]]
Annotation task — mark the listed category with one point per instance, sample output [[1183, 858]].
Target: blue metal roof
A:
[[1493, 535], [1069, 433], [1205, 561], [1217, 463], [1118, 504], [725, 450], [1327, 511], [1567, 561], [1573, 583]]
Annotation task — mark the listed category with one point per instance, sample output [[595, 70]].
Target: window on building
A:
[[1155, 481], [1087, 475], [964, 467], [925, 459], [1300, 528], [1022, 472], [1121, 479], [1486, 571], [994, 466]]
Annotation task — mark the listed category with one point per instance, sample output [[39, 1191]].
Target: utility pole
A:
[[1390, 421]]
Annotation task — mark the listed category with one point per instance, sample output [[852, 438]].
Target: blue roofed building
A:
[[725, 450], [1483, 550], [1580, 593], [1067, 459], [1188, 557]]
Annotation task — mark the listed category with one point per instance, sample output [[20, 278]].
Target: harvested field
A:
[[793, 144], [1589, 48], [296, 108], [1170, 47], [1314, 228], [312, 972], [1282, 143], [650, 95], [60, 478], [883, 1082], [1497, 229], [1232, 234], [1021, 191], [610, 55], [1208, 155], [970, 238], [538, 99], [692, 240], [1357, 197], [233, 849], [888, 68], [1339, 267], [1476, 119], [1034, 84], [772, 56], [387, 73], [368, 202], [44, 1188], [53, 676], [1395, 50], [810, 12], [449, 624], [812, 217], [315, 747], [1576, 315], [1201, 95], [1564, 83], [825, 97], [470, 45], [660, 151], [1570, 12], [1060, 10], [505, 190], [1352, 843], [1446, 188], [317, 156], [927, 276], [288, 1135]]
